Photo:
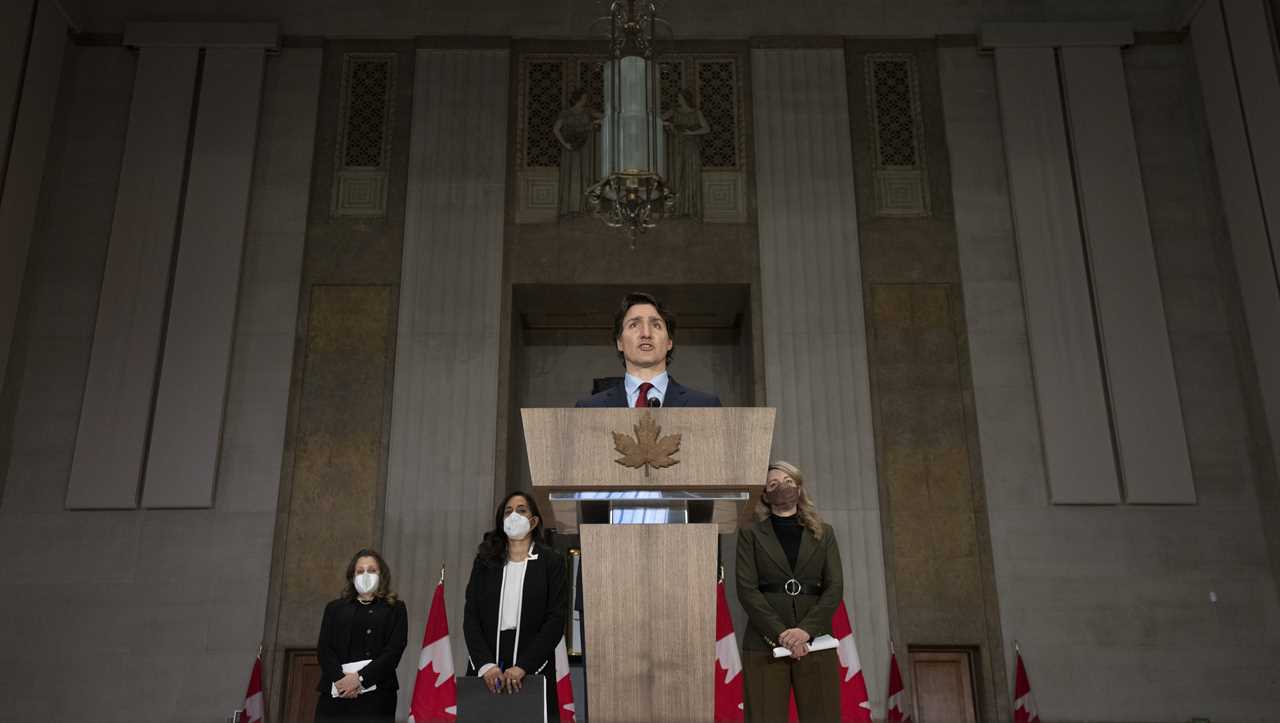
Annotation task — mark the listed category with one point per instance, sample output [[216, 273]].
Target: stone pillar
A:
[[22, 166], [111, 443], [440, 478], [815, 349], [190, 401], [1240, 98]]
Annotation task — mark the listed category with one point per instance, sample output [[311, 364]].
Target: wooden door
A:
[[301, 675], [943, 686]]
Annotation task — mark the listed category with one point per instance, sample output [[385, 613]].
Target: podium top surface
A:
[[683, 448]]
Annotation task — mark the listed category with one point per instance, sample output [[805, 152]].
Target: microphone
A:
[[655, 402]]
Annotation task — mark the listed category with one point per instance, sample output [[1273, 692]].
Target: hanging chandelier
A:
[[632, 194]]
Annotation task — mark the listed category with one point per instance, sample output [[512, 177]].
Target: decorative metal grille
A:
[[366, 110], [591, 79], [670, 83], [548, 79], [895, 109], [543, 101], [718, 100]]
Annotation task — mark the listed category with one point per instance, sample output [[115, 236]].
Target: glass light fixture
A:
[[632, 193]]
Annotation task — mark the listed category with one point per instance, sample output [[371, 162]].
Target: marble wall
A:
[[165, 601], [1169, 601]]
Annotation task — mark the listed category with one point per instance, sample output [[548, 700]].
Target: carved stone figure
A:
[[686, 125], [575, 129]]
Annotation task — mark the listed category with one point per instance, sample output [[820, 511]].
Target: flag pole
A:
[[441, 573], [721, 578]]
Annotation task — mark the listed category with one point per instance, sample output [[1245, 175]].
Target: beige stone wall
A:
[[334, 467], [937, 548]]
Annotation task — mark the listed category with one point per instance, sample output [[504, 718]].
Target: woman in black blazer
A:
[[517, 602], [366, 622]]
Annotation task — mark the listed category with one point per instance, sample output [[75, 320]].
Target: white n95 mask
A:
[[516, 526], [365, 582]]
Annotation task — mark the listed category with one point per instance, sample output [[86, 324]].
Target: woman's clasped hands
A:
[[504, 681], [796, 641]]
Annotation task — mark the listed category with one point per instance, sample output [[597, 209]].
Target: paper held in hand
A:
[[352, 668], [822, 642]]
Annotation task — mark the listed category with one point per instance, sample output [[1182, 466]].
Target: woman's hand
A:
[[493, 679], [792, 637], [796, 641], [513, 677], [348, 685]]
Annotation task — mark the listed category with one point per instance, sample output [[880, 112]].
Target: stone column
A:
[[22, 158], [815, 348], [111, 443], [440, 476]]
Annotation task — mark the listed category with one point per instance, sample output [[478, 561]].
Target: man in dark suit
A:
[[645, 334]]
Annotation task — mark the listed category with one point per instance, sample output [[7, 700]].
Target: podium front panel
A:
[[649, 597]]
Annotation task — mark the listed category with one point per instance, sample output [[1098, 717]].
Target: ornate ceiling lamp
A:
[[632, 193]]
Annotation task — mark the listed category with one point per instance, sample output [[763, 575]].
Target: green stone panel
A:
[[333, 499]]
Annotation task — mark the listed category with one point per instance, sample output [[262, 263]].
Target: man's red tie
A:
[[642, 398]]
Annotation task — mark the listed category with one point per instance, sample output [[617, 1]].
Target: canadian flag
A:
[[854, 704], [895, 711], [564, 684], [1024, 705], [435, 693], [855, 707], [728, 663], [253, 698]]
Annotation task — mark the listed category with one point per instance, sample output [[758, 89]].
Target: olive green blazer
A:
[[762, 561]]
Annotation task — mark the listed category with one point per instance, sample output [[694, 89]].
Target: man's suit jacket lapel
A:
[[616, 396], [773, 548], [675, 396]]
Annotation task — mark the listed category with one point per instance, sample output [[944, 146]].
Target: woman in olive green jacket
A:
[[789, 582]]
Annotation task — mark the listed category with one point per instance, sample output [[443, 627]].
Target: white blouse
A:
[[512, 595]]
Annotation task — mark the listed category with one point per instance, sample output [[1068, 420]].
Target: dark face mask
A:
[[783, 496]]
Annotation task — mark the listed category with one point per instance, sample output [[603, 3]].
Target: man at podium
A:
[[644, 331]]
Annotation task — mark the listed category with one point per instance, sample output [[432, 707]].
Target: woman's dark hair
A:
[[384, 591], [640, 297], [493, 548]]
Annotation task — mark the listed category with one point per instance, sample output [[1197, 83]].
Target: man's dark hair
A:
[[640, 297]]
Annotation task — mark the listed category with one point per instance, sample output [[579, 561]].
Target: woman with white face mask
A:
[[517, 602], [366, 627]]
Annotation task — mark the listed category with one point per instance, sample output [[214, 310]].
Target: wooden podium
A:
[[648, 490]]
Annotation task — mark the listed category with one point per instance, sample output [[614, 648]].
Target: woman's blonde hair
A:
[[805, 509]]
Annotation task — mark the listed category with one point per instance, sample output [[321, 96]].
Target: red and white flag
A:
[[564, 684], [728, 663], [253, 698], [435, 693], [1024, 705], [855, 707], [894, 703]]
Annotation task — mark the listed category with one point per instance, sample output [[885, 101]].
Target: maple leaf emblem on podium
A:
[[648, 448]]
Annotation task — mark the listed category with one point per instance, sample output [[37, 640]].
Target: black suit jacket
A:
[[678, 395], [390, 626], [544, 609]]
